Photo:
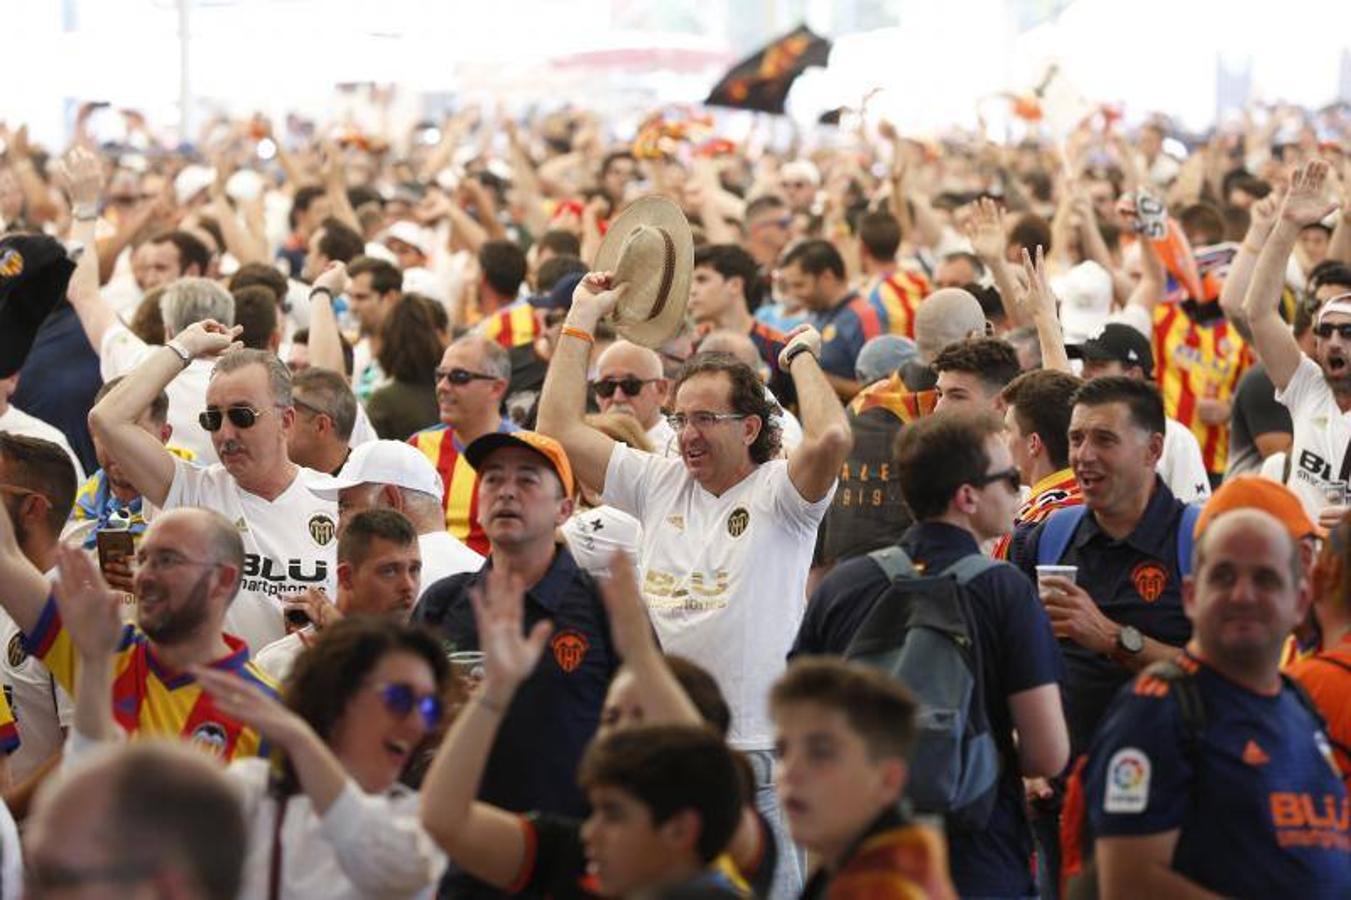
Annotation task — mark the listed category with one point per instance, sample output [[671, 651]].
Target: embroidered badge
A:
[[569, 649], [737, 521], [1149, 579], [1127, 782]]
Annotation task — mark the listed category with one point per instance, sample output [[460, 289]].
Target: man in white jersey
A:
[[35, 489], [1318, 390], [728, 530], [289, 533]]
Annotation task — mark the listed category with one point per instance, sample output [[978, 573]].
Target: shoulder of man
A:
[[442, 597]]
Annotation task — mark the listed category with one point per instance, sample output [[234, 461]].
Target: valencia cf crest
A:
[[1149, 578], [11, 263], [322, 529], [211, 736], [15, 651], [569, 649], [737, 521]]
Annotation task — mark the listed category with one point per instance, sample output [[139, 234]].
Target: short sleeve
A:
[[1186, 474], [554, 859], [1305, 389], [790, 505], [186, 488], [1257, 404], [1025, 625], [120, 352], [629, 477], [1138, 777]]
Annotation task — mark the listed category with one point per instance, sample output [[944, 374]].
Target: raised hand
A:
[[1039, 298], [90, 611], [1307, 201], [800, 335], [509, 655], [985, 229], [630, 628], [209, 338], [82, 176], [333, 278], [245, 703], [1264, 212], [597, 292]]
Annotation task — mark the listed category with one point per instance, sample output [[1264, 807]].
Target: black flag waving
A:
[[761, 81]]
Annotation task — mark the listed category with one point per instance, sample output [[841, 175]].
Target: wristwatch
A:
[[1129, 641]]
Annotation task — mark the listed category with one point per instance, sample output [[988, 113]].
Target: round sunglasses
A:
[[400, 699]]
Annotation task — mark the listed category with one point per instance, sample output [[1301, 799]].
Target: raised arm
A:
[[1236, 283], [562, 403], [40, 208], [325, 335], [143, 459], [1305, 202], [815, 463], [485, 841], [1041, 309], [91, 614], [26, 590], [83, 177], [988, 236], [335, 189]]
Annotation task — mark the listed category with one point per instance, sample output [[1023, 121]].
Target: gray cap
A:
[[883, 355]]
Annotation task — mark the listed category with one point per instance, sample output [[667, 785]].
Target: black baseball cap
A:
[[34, 272], [1116, 342]]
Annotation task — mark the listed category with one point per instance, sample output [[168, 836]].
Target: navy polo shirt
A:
[[845, 328], [59, 380], [1260, 808], [533, 763], [1135, 581], [1018, 652]]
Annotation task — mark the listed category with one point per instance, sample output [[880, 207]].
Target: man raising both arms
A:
[[715, 516]]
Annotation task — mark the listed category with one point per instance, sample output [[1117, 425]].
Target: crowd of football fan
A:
[[980, 532]]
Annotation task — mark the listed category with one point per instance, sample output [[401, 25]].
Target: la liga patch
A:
[[1127, 782]]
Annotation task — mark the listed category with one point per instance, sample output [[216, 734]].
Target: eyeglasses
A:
[[240, 415], [605, 387], [700, 420], [400, 699], [781, 222], [317, 410], [42, 877], [159, 560], [462, 376], [1325, 330], [22, 492], [1009, 476]]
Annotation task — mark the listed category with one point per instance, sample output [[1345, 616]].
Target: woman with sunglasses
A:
[[327, 815]]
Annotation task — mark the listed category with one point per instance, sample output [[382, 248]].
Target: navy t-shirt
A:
[[1018, 652], [1135, 581], [59, 380], [1261, 809]]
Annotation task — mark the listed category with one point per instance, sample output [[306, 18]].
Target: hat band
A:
[[667, 276]]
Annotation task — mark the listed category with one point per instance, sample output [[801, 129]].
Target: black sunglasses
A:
[[605, 387], [1009, 476], [240, 416], [400, 699], [1325, 330], [462, 376]]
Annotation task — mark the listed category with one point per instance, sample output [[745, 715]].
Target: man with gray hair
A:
[[470, 385], [141, 814], [326, 413], [184, 302], [289, 534]]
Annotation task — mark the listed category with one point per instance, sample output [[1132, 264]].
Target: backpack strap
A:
[[1302, 695], [1190, 703], [1186, 537], [969, 567], [1056, 533], [894, 562]]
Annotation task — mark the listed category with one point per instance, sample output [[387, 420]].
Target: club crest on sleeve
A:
[[1127, 782]]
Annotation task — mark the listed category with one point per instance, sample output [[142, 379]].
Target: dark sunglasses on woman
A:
[[400, 699]]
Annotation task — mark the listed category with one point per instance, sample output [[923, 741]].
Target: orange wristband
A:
[[578, 333]]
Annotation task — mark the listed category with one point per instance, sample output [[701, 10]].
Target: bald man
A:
[[629, 379], [945, 317]]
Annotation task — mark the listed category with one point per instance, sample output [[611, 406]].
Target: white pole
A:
[[184, 87]]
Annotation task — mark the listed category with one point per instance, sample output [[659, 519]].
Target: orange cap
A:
[[547, 447], [1256, 492]]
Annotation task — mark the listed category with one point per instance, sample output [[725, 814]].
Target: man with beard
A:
[[1317, 391], [188, 571], [289, 534], [470, 385]]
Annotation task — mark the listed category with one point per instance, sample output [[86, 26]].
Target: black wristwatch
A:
[[794, 353], [1129, 641]]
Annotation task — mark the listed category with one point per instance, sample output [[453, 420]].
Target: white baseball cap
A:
[[382, 462]]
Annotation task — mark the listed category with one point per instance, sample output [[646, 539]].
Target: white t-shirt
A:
[[41, 707], [444, 555], [16, 421], [123, 351], [1322, 437], [290, 544], [724, 578], [365, 846], [1182, 466], [595, 535], [362, 429], [279, 657], [663, 438]]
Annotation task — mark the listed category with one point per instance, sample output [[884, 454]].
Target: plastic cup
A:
[[1070, 572], [468, 666]]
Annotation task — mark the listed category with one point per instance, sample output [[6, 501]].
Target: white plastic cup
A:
[[1070, 572], [468, 665]]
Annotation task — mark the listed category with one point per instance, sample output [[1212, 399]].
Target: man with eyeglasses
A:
[[289, 533], [728, 529], [470, 384], [959, 479], [326, 413], [1317, 389], [188, 571], [629, 379]]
